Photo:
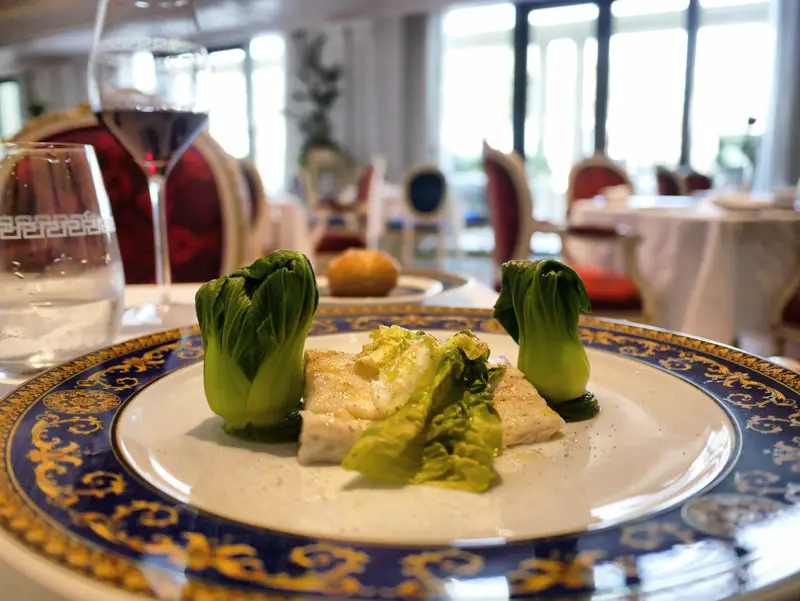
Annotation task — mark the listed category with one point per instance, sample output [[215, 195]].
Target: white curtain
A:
[[779, 157], [390, 93]]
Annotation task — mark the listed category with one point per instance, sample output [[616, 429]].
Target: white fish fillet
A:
[[524, 414], [338, 408]]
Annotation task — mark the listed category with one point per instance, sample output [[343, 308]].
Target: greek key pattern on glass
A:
[[32, 227]]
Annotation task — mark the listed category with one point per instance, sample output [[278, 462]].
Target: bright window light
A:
[[144, 71], [226, 58], [563, 15], [269, 47], [465, 22], [723, 3], [636, 8]]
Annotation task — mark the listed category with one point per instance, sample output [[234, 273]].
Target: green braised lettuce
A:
[[464, 439], [398, 362], [539, 306], [254, 324], [446, 434]]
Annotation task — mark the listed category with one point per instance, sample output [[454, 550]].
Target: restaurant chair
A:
[[669, 182], [208, 213], [510, 205], [259, 207], [616, 295], [424, 196], [694, 181], [325, 173], [589, 177], [340, 225]]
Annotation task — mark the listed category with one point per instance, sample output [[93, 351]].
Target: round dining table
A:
[[15, 585], [714, 272]]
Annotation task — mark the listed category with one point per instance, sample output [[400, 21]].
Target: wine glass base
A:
[[152, 317]]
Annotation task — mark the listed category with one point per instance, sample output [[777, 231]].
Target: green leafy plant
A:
[[316, 92], [254, 324], [539, 306]]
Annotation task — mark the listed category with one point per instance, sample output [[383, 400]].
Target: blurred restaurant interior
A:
[[633, 138], [456, 300]]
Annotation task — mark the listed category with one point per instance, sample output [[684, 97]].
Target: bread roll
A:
[[358, 272]]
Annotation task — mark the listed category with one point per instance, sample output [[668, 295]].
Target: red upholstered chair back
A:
[[669, 182], [510, 206], [206, 206], [259, 207], [697, 182], [588, 178], [365, 184], [256, 196]]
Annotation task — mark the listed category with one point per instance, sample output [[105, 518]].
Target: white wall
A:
[[57, 84], [388, 91]]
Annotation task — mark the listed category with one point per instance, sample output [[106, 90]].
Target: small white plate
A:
[[410, 290]]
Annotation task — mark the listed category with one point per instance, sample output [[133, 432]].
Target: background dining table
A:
[[715, 273], [17, 586]]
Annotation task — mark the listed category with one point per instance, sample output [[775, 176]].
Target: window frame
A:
[[694, 18]]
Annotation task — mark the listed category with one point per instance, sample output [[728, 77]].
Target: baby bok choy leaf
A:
[[254, 324], [539, 306]]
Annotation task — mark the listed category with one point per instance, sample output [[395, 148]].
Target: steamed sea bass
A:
[[446, 434], [539, 306], [398, 362], [254, 324], [344, 399], [347, 393]]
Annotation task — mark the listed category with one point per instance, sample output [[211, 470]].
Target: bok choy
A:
[[254, 324], [539, 306]]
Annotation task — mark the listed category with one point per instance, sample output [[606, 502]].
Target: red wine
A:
[[155, 138]]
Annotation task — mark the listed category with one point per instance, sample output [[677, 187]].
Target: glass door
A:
[[732, 84], [228, 119], [268, 54], [477, 85], [559, 124], [647, 80]]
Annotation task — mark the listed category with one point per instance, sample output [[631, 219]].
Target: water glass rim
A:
[[10, 147], [44, 145]]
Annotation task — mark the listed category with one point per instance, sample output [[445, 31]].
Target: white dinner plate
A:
[[116, 478]]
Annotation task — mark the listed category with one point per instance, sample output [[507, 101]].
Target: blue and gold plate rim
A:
[[67, 496]]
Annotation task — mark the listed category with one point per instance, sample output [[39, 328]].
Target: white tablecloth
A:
[[715, 273], [16, 587], [288, 226]]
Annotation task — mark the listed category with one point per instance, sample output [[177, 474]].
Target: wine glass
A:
[[148, 85]]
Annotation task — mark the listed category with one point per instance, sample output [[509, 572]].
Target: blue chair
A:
[[425, 200]]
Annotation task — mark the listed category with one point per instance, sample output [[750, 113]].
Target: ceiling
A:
[[63, 27]]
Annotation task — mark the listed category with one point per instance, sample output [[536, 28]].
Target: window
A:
[[732, 83], [562, 65], [647, 79], [10, 109], [268, 54], [477, 84], [477, 88], [228, 120]]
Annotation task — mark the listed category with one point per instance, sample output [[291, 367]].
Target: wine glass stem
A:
[[157, 186]]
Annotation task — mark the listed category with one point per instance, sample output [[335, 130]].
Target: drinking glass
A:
[[61, 275], [148, 84]]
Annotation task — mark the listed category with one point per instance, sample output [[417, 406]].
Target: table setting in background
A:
[[370, 431], [717, 272]]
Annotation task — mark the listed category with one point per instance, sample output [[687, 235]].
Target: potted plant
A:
[[317, 89]]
